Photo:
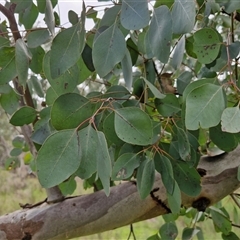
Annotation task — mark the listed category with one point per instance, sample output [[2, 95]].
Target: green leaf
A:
[[36, 85], [204, 106], [164, 167], [73, 17], [189, 233], [110, 16], [160, 33], [25, 115], [183, 144], [68, 187], [174, 199], [224, 140], [126, 64], [66, 50], [89, 145], [10, 101], [168, 106], [207, 50], [22, 57], [37, 37], [70, 110], [104, 166], [109, 49], [154, 90], [4, 42], [221, 221], [145, 177], [66, 83], [29, 15], [37, 59], [168, 231], [230, 120], [7, 65], [58, 158], [177, 56], [184, 13], [154, 237], [109, 130], [230, 236], [187, 178], [125, 165], [134, 14], [133, 126]]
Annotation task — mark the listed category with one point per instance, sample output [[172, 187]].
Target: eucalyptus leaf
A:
[[134, 14], [134, 126], [58, 158], [70, 110], [204, 106], [145, 177], [108, 49], [160, 33], [230, 120], [24, 115], [168, 231]]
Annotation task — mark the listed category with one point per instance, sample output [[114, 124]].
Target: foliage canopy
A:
[[152, 86]]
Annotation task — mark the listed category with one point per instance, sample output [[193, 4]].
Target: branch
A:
[[94, 213]]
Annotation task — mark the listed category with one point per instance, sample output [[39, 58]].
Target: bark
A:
[[94, 213]]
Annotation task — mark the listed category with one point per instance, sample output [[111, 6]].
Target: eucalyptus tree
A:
[[137, 99]]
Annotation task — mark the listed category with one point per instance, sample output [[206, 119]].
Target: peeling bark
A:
[[94, 213]]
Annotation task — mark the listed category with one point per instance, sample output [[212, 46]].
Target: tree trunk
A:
[[95, 213]]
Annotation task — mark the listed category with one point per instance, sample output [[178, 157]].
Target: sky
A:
[[64, 6]]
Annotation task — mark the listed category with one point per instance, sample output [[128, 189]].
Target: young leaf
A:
[[133, 126], [104, 165], [124, 166], [70, 110], [204, 106], [58, 158], [230, 120], [160, 33], [145, 177], [207, 50], [109, 49], [134, 14], [89, 145], [184, 14], [66, 50], [25, 115]]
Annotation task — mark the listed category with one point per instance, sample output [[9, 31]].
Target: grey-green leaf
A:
[[109, 49], [184, 13], [89, 144], [134, 14], [230, 120], [133, 126], [104, 165], [160, 33], [204, 106], [58, 158], [66, 49]]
